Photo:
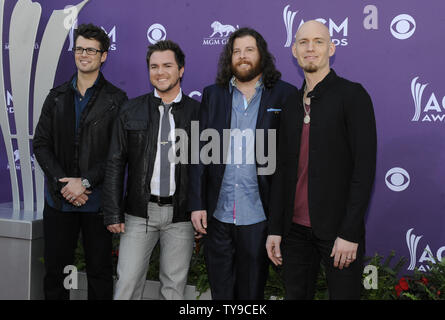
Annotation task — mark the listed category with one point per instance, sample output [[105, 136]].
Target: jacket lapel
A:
[[98, 110], [227, 105], [262, 109]]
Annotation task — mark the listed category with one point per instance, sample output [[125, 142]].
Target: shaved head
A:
[[313, 47], [313, 26]]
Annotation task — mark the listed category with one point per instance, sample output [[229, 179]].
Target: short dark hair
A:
[[90, 31], [165, 45], [270, 74]]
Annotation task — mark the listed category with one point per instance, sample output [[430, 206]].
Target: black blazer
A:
[[342, 160], [215, 112]]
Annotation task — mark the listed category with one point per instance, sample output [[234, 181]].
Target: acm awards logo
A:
[[433, 110], [337, 30], [412, 241], [220, 34]]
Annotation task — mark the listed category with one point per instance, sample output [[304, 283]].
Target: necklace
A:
[[307, 117]]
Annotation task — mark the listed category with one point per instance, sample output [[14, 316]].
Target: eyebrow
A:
[[248, 47], [316, 38], [164, 64]]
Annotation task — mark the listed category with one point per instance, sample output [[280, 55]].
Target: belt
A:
[[161, 201]]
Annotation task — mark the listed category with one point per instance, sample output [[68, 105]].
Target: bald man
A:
[[325, 172]]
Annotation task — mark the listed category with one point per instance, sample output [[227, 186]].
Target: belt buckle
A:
[[159, 202]]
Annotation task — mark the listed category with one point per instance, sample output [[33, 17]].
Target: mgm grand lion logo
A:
[[220, 34]]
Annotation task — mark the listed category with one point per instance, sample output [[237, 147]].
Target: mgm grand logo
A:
[[220, 35]]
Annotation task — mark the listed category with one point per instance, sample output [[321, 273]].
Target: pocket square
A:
[[273, 110]]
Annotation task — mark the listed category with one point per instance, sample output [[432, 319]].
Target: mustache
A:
[[244, 62]]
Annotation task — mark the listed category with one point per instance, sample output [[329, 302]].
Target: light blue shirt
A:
[[239, 198]]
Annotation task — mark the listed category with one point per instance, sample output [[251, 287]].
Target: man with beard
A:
[[229, 196], [325, 172], [155, 200]]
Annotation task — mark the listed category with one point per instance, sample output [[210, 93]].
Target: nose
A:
[[310, 46], [160, 70]]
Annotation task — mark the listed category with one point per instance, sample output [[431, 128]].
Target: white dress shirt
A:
[[155, 179]]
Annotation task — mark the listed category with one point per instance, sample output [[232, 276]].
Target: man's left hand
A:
[[72, 189], [344, 253]]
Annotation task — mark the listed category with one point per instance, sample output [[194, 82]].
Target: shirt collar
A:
[[176, 100], [74, 82], [232, 83]]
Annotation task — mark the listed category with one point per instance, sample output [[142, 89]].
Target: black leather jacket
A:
[[134, 143], [63, 152]]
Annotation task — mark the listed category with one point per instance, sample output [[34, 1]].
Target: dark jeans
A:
[[236, 260], [302, 254], [61, 233]]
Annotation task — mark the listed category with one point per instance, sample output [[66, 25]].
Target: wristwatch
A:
[[85, 183]]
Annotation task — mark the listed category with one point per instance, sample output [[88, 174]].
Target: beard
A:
[[245, 76], [310, 68]]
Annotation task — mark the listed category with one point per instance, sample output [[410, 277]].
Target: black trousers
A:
[[61, 233], [302, 253], [236, 260]]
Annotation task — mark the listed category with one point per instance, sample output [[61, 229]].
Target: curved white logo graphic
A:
[[412, 240], [156, 32], [397, 179], [427, 255], [403, 26], [194, 93], [417, 91], [288, 17]]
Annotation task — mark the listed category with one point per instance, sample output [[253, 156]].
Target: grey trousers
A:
[[136, 246]]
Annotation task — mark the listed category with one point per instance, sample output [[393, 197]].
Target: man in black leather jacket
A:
[[154, 206], [71, 145]]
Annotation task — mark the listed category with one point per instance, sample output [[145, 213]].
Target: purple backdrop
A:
[[392, 48]]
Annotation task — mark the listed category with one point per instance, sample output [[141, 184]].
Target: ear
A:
[[181, 72], [331, 49], [294, 49], [104, 56]]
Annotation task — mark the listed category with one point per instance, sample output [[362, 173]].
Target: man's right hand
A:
[[273, 249], [81, 200], [199, 221], [116, 228]]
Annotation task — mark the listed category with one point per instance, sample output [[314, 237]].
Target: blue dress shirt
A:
[[239, 199]]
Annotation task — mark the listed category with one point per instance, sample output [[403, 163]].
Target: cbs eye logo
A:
[[403, 26], [156, 32], [397, 179]]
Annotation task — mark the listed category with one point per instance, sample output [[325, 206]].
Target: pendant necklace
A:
[[307, 118]]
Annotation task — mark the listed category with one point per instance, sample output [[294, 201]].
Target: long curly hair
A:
[[270, 74]]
